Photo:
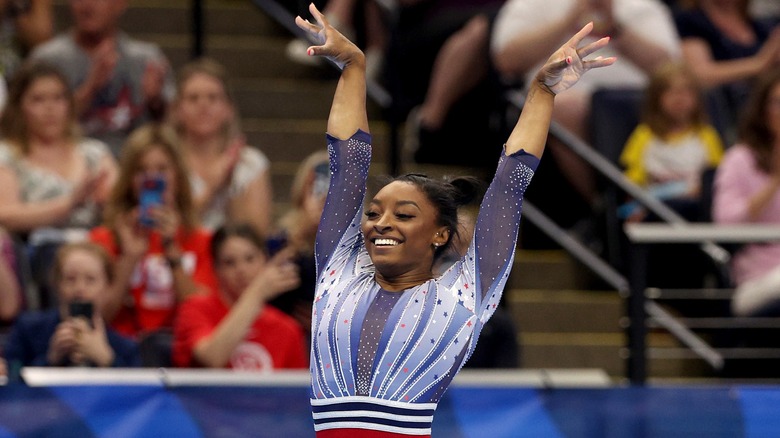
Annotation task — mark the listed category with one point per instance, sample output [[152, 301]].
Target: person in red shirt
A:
[[233, 327], [161, 254]]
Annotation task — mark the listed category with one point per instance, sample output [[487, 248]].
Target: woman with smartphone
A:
[[233, 327], [230, 180], [151, 231], [74, 333]]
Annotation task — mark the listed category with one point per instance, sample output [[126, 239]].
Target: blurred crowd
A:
[[137, 226]]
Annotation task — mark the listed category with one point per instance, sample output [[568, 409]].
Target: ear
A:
[[441, 237]]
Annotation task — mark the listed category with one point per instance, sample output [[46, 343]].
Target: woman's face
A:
[[772, 110], [83, 278], [156, 161], [679, 100], [238, 262], [400, 230], [45, 108], [203, 108]]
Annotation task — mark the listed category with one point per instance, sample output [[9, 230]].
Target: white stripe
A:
[[374, 414], [370, 426], [372, 400]]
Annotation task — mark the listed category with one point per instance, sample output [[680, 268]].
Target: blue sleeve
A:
[[349, 162], [498, 222]]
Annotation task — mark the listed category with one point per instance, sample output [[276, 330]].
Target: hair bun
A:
[[468, 190]]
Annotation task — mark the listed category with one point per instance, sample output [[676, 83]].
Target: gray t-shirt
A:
[[119, 107]]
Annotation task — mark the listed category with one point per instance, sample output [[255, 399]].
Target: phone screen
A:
[[80, 309], [152, 189]]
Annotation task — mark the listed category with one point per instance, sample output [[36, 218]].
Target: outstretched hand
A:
[[329, 42], [567, 65]]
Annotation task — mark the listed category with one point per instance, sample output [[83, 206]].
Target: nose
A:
[[382, 225]]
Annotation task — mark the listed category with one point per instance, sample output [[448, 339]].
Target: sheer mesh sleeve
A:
[[349, 162], [496, 231]]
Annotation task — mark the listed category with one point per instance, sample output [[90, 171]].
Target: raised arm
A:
[[348, 111], [499, 215], [349, 144], [561, 71]]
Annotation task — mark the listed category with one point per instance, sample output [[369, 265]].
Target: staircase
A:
[[284, 108]]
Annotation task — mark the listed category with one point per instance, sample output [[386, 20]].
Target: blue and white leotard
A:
[[382, 360]]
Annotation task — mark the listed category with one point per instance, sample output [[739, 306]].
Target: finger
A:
[[321, 20], [574, 41], [599, 62], [592, 47], [306, 25]]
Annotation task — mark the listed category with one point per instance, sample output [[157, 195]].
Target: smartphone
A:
[[276, 243], [82, 309], [152, 189]]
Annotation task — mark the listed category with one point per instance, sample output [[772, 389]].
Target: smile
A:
[[385, 242]]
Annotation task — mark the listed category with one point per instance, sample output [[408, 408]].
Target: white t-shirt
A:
[[649, 19]]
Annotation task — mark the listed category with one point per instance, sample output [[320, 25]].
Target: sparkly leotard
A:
[[381, 360]]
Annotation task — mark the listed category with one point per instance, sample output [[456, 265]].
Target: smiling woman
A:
[[387, 336]]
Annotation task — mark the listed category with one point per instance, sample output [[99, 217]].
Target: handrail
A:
[[595, 159]]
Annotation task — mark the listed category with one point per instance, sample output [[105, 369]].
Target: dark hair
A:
[[242, 230], [753, 130], [447, 196]]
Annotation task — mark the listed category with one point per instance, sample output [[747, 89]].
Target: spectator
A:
[[161, 254], [673, 145], [54, 181], [643, 37], [233, 327], [297, 230], [119, 82], [726, 49], [230, 181], [747, 191], [73, 334], [438, 74]]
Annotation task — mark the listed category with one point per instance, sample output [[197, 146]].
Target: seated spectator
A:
[[673, 145], [11, 298], [438, 75], [230, 181], [233, 327], [297, 230], [161, 254], [643, 38], [54, 181], [747, 191], [726, 49], [119, 82], [74, 334]]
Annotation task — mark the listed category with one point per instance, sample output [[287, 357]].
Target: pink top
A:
[[736, 181]]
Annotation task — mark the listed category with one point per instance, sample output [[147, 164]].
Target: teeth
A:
[[385, 242]]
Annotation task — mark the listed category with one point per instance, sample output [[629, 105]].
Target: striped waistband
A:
[[360, 412]]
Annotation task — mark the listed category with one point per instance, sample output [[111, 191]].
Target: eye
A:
[[372, 214], [403, 216]]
